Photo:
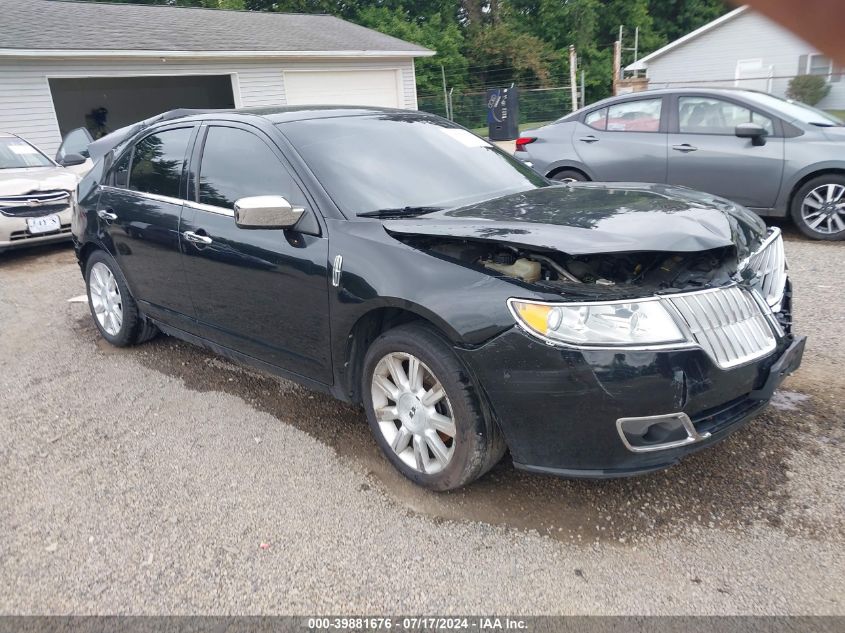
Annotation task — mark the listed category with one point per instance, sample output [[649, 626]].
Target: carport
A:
[[104, 104]]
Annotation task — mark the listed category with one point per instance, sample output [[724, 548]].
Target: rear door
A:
[[139, 212], [625, 141], [705, 154], [262, 292]]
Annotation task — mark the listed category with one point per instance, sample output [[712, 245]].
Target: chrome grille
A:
[[769, 264], [728, 323], [35, 203]]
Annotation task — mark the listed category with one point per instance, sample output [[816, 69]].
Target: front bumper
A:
[[14, 232], [558, 408]]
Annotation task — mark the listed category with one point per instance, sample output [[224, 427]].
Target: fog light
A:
[[658, 432]]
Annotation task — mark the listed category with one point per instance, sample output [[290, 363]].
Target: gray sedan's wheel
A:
[[818, 208], [425, 411], [112, 306], [568, 175]]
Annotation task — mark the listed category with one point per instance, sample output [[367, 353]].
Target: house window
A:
[[819, 65]]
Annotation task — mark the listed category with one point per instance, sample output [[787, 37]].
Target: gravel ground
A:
[[162, 480]]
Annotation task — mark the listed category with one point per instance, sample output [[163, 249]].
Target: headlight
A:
[[628, 323]]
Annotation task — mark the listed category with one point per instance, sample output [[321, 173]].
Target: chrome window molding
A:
[[159, 198], [210, 208]]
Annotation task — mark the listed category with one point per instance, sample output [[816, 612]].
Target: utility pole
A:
[[617, 63], [573, 77], [445, 94], [583, 93]]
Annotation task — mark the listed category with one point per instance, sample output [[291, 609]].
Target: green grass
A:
[[838, 113], [482, 131]]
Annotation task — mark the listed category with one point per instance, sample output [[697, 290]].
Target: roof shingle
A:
[[90, 26]]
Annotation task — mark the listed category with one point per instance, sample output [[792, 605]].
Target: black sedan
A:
[[392, 258]]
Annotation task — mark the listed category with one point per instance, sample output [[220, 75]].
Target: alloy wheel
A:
[[105, 298], [413, 412], [823, 209]]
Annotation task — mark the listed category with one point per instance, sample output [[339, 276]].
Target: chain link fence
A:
[[470, 108]]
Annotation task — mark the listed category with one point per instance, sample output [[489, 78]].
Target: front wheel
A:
[[818, 208], [425, 412]]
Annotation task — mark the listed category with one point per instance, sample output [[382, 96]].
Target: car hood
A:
[[15, 182], [592, 218]]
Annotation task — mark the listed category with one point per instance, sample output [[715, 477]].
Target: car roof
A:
[[724, 91], [283, 114]]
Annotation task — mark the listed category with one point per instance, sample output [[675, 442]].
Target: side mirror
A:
[[70, 160], [757, 133], [266, 212]]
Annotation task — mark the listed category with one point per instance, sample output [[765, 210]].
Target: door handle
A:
[[197, 239], [685, 148], [588, 139], [107, 215]]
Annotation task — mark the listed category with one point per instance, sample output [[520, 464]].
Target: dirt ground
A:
[[162, 479]]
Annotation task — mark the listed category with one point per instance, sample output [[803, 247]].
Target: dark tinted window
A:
[[157, 163], [369, 163], [237, 164], [120, 171]]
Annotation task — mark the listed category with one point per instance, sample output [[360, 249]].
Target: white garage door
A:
[[344, 87]]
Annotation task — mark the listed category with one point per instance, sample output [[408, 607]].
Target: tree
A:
[[809, 89]]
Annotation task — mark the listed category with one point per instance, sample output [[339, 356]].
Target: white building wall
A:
[[711, 58], [26, 106]]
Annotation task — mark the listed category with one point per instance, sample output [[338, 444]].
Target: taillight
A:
[[522, 141]]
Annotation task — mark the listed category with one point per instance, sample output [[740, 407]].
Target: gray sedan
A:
[[779, 158]]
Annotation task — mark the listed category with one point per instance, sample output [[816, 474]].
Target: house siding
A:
[[711, 58], [26, 105]]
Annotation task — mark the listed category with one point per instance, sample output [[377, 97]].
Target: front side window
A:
[[396, 160], [16, 153], [238, 164], [76, 142], [158, 162], [642, 115], [704, 115]]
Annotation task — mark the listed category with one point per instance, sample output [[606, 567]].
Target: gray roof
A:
[[91, 26]]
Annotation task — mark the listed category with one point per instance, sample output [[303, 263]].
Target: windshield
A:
[[16, 153], [397, 161], [794, 110]]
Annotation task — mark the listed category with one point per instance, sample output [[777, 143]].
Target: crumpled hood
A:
[[592, 218], [14, 182]]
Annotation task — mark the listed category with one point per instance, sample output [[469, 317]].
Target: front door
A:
[[262, 292], [705, 153], [624, 142], [138, 210]]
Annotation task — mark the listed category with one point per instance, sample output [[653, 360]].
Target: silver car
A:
[[779, 158], [35, 193]]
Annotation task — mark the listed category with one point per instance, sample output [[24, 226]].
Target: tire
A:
[[113, 309], [821, 196], [473, 444], [568, 175]]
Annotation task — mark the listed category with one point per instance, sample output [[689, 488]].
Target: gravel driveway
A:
[[161, 479]]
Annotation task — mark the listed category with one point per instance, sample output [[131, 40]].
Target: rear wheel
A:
[[425, 412], [818, 208], [114, 310], [568, 175]]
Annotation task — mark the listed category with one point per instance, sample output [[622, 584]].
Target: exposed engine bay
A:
[[559, 272]]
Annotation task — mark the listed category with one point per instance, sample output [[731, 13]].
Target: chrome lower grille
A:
[[728, 323], [769, 264]]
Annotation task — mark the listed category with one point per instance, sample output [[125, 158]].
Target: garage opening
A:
[[105, 104]]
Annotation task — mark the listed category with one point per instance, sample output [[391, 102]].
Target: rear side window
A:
[[120, 171], [158, 162], [597, 119], [238, 164], [642, 115]]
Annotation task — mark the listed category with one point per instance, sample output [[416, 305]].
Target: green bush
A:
[[809, 89]]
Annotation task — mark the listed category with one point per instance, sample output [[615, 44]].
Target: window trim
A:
[[662, 127], [675, 109], [809, 67], [195, 165]]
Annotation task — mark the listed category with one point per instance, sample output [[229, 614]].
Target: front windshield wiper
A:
[[399, 212]]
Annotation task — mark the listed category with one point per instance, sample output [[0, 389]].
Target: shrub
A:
[[809, 89]]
